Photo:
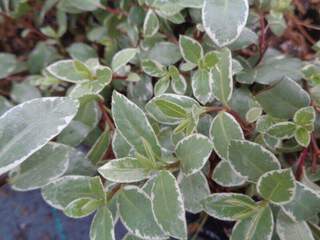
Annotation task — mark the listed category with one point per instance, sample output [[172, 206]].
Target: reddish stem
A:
[[105, 116], [300, 163], [262, 38], [315, 153]]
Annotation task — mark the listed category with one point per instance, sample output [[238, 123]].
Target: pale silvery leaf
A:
[[225, 175], [22, 92], [65, 70], [191, 49], [277, 23], [130, 236], [61, 192], [191, 3], [251, 159], [41, 168], [222, 81], [179, 84], [277, 186], [224, 20], [165, 53], [161, 86], [104, 77], [123, 57], [78, 6], [120, 146], [194, 189], [133, 124], [81, 51], [168, 206], [87, 118], [136, 214], [258, 226], [170, 109], [287, 229], [26, 128], [272, 68], [305, 204], [224, 128], [102, 225], [125, 170], [5, 105], [151, 24], [153, 68], [193, 152], [184, 102], [282, 130], [202, 85], [287, 104], [253, 114], [229, 206]]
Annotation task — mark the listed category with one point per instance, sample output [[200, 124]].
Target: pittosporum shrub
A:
[[145, 110]]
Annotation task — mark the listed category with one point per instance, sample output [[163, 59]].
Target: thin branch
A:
[[105, 116]]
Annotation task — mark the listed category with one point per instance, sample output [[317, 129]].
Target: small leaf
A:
[[222, 84], [104, 77], [191, 50], [170, 109], [178, 82], [305, 204], [225, 175], [61, 192], [210, 60], [291, 230], [305, 116], [257, 227], [153, 68], [251, 159], [224, 20], [82, 69], [26, 128], [253, 114], [133, 124], [161, 86], [41, 168], [193, 152], [287, 104], [202, 85], [282, 130], [102, 225], [122, 57], [64, 70], [194, 189], [125, 170], [302, 136], [136, 214], [81, 207], [277, 186], [183, 102], [168, 207], [224, 128], [151, 24], [229, 206], [99, 148]]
